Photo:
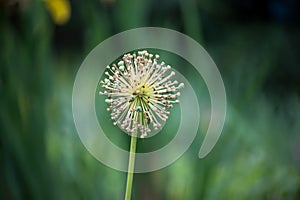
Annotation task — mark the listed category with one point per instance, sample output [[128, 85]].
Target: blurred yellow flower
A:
[[60, 10]]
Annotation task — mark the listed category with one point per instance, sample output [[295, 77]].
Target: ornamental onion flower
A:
[[140, 91]]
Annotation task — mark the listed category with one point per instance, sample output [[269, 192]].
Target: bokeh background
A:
[[255, 45]]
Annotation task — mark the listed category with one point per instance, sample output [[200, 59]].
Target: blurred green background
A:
[[255, 45]]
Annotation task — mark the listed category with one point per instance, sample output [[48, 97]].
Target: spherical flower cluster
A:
[[139, 92]]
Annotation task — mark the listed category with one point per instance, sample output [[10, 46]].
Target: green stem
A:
[[130, 166]]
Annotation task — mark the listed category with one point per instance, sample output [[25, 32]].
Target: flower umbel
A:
[[139, 92]]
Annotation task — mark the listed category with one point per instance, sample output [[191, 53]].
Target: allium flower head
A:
[[140, 92]]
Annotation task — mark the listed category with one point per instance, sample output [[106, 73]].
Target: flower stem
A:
[[130, 166]]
